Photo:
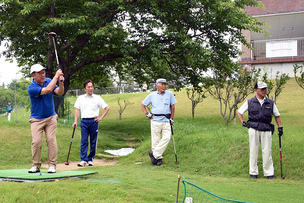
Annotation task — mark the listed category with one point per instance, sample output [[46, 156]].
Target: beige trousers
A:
[[265, 139], [160, 137], [49, 125]]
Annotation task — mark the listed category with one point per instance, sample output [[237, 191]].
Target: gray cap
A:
[[161, 80], [36, 68], [260, 85]]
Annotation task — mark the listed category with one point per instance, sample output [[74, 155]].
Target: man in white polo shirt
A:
[[163, 108], [260, 111], [89, 104]]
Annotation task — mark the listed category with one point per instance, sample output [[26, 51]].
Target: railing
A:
[[280, 50]]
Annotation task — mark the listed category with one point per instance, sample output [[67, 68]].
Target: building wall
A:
[[273, 68], [273, 65], [277, 6], [246, 51]]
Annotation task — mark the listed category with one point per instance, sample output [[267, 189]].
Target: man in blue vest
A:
[[260, 110], [43, 116]]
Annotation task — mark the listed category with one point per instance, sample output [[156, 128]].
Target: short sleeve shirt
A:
[[161, 104], [89, 106], [244, 108], [42, 106]]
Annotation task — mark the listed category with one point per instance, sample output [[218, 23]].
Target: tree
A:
[[280, 81], [299, 79], [196, 95], [122, 107], [177, 39], [231, 88]]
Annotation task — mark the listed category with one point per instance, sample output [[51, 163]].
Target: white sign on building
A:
[[281, 48]]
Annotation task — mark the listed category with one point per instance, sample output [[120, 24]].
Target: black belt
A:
[[166, 115], [87, 118]]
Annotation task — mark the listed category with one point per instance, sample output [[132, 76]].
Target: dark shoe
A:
[[270, 177], [153, 160], [159, 162], [253, 176]]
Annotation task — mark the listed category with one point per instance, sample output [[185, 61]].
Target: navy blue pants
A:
[[89, 128]]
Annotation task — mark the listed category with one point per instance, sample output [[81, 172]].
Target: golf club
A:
[[282, 177], [67, 161], [174, 145], [53, 35]]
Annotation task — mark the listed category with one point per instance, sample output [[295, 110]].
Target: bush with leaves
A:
[[299, 79]]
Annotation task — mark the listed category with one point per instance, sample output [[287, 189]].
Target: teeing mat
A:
[[22, 175]]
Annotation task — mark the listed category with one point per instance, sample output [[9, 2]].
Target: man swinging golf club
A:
[[260, 111], [43, 116], [163, 108]]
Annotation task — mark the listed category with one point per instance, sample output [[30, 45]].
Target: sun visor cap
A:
[[37, 68]]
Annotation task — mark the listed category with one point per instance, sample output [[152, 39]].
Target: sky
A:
[[8, 71]]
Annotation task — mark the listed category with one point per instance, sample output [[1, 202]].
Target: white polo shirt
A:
[[89, 106]]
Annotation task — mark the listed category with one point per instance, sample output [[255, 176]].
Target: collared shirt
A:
[[89, 106], [42, 106], [161, 104], [244, 107]]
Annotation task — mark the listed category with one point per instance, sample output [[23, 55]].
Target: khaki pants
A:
[[160, 135], [265, 138], [49, 125]]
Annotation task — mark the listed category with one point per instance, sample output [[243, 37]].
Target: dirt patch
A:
[[73, 165]]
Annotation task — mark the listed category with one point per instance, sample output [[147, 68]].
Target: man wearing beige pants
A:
[[163, 108], [43, 116], [260, 111]]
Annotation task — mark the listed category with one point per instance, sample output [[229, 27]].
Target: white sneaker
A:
[[34, 169], [90, 163], [82, 164], [52, 169]]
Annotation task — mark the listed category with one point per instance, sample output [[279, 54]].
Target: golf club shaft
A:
[[71, 144], [58, 66], [173, 143], [281, 156]]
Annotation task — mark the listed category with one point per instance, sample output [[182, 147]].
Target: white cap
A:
[[161, 80], [260, 85], [36, 68]]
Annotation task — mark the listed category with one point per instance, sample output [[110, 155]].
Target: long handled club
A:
[[67, 161], [53, 35], [174, 145], [282, 177]]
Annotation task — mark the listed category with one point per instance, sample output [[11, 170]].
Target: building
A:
[[285, 47]]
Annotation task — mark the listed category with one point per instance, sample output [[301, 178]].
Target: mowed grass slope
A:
[[211, 155]]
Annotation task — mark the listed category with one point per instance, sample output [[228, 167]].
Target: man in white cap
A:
[[43, 116], [260, 130], [163, 108]]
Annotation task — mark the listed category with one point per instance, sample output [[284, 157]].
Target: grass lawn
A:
[[210, 154]]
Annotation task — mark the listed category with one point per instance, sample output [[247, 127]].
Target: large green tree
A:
[[146, 39]]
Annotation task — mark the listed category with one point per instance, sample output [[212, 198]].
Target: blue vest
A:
[[260, 116]]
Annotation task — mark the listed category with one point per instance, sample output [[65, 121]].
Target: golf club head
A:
[[66, 163], [283, 177], [177, 162], [52, 34]]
